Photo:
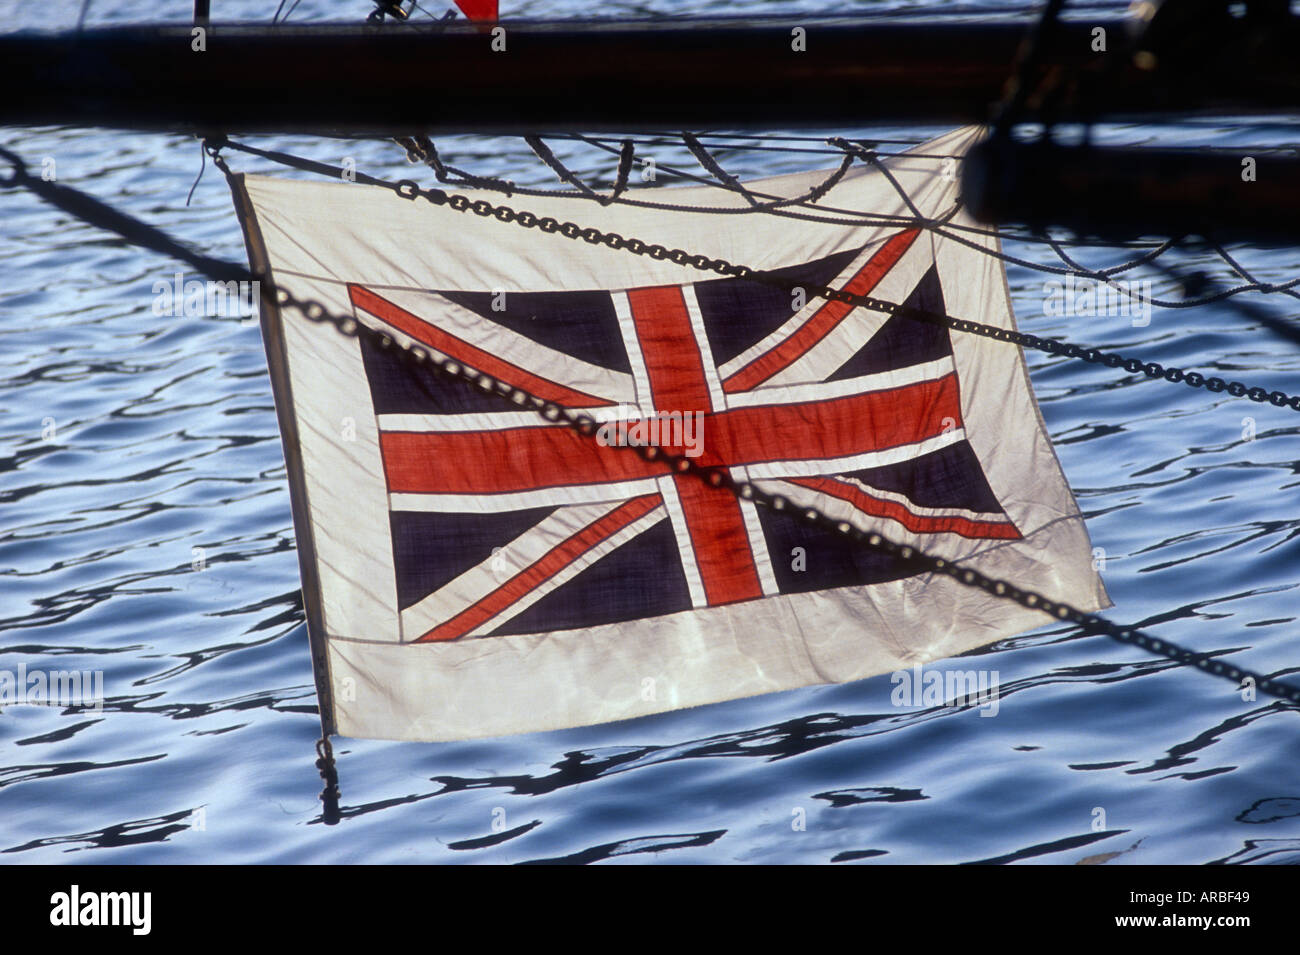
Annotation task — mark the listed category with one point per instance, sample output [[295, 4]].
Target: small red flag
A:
[[478, 9]]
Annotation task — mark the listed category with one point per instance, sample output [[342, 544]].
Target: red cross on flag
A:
[[471, 569]]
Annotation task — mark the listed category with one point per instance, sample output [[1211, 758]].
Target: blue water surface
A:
[[145, 532]]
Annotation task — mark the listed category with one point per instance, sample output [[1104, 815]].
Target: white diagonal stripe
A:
[[561, 577], [487, 576], [823, 390], [867, 322], [796, 321], [855, 462], [860, 325]]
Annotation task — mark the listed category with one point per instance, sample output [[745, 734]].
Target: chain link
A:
[[409, 189], [422, 359]]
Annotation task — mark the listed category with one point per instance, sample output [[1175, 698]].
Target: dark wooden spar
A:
[[601, 75], [839, 73]]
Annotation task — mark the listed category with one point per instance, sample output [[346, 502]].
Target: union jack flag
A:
[[503, 523], [470, 568]]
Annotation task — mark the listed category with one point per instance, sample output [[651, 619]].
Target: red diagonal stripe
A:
[[547, 566], [471, 355], [823, 321], [917, 523]]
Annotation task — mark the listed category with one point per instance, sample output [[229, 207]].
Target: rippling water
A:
[[135, 448]]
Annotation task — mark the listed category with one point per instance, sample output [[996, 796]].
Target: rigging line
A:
[[1250, 309], [864, 218], [731, 184], [1241, 272], [673, 171], [716, 141], [1106, 274], [646, 137], [288, 13], [87, 208], [1081, 272], [737, 147], [421, 148], [784, 136], [705, 159], [203, 165], [704, 180], [869, 157], [1186, 303], [625, 160], [860, 219], [1148, 257], [779, 205], [431, 16], [626, 155], [543, 152], [712, 144]]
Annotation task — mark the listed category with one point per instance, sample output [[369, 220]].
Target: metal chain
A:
[[423, 359], [139, 233], [409, 189], [784, 209]]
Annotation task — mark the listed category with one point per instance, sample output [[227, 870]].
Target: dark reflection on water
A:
[[145, 533], [1271, 810], [854, 797], [116, 836], [1271, 851], [627, 847], [1049, 848]]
